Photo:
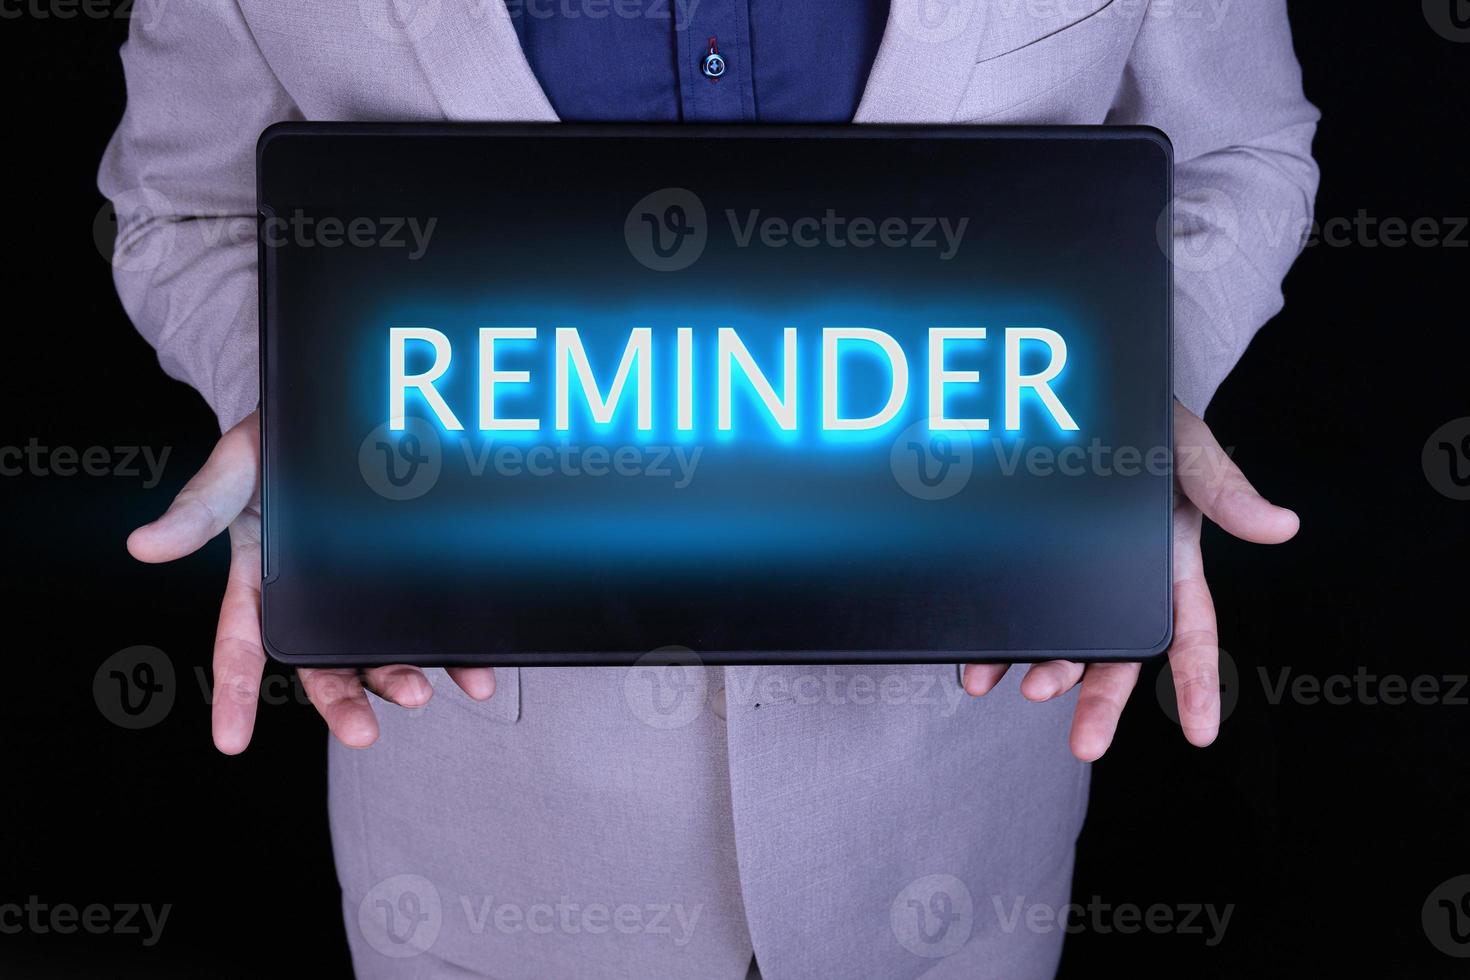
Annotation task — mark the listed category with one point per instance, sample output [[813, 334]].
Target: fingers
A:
[[1212, 481], [1195, 653], [980, 679], [1042, 682], [405, 686], [340, 696], [1105, 690], [477, 682], [1194, 661], [341, 700], [209, 502], [239, 660], [409, 688], [1053, 678]]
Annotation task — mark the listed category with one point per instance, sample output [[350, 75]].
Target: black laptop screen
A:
[[754, 395]]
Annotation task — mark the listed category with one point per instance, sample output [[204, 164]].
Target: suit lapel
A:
[[473, 60], [924, 60]]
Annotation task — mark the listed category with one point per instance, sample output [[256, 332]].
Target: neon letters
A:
[[776, 387]]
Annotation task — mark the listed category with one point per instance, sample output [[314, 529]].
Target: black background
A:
[[1325, 825]]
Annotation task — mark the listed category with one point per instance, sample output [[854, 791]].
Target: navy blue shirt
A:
[[645, 60]]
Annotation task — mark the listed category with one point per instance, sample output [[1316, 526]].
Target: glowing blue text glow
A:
[[775, 387]]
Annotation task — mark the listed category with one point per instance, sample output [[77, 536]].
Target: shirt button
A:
[[714, 65], [717, 704]]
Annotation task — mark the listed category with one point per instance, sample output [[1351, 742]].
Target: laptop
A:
[[565, 394]]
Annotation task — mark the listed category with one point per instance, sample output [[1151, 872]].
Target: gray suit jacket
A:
[[664, 822]]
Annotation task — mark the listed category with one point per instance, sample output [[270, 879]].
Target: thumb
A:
[[1214, 484], [209, 502]]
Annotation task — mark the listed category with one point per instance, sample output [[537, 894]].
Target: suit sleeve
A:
[[180, 172], [1223, 81]]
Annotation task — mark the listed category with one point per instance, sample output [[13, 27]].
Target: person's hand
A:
[[226, 494], [1208, 484]]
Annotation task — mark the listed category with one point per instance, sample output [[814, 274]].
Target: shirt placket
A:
[[722, 89]]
